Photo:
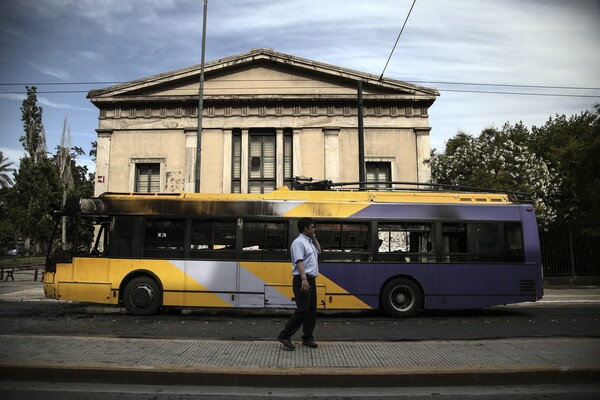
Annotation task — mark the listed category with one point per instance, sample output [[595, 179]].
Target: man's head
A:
[[306, 226]]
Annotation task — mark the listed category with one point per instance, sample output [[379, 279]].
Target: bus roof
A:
[[284, 194]]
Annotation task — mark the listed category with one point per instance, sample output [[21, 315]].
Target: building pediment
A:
[[262, 74]]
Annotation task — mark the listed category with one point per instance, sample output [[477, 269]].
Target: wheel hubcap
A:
[[142, 296], [402, 299]]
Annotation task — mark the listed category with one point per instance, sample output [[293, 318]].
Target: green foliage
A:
[[557, 163], [21, 261], [33, 140], [572, 146], [26, 208], [83, 186], [7, 232], [495, 160], [36, 189], [5, 170]]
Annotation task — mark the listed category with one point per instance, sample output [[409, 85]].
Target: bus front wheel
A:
[[142, 296], [401, 298]]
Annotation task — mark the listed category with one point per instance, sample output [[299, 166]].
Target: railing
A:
[[571, 250]]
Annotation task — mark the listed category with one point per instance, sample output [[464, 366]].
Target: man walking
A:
[[305, 268]]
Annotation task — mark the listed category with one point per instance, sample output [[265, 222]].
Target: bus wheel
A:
[[401, 298], [142, 296]]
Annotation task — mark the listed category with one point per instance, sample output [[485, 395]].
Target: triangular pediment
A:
[[262, 73]]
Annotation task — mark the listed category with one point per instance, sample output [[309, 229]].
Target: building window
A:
[[147, 178], [380, 173], [261, 163], [287, 158], [236, 168]]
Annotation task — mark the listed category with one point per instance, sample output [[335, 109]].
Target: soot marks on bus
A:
[[173, 227], [174, 207]]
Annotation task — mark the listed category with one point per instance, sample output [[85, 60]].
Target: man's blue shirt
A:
[[302, 249]]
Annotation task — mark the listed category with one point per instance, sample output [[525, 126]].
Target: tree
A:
[[36, 189], [36, 182], [34, 140], [571, 146], [499, 159], [82, 185], [5, 170], [94, 150]]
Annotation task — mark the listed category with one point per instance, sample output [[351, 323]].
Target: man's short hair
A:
[[303, 223]]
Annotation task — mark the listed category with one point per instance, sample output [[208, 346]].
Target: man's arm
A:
[[305, 286], [316, 243]]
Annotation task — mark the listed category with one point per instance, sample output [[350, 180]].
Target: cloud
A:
[[13, 96], [112, 16], [90, 55], [64, 75], [43, 101], [48, 103]]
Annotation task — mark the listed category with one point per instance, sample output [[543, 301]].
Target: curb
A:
[[298, 377]]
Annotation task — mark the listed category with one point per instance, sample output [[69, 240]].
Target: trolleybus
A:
[[401, 251]]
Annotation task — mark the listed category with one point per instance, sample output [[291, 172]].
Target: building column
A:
[[297, 152], [279, 158], [332, 154], [190, 161], [244, 161], [227, 159], [423, 153], [102, 162]]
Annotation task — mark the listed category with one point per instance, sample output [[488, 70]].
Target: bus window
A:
[[265, 235], [164, 235], [213, 234], [483, 239], [470, 242], [126, 236], [513, 238], [348, 241], [411, 242]]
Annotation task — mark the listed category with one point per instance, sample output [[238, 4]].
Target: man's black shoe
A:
[[310, 343], [287, 344]]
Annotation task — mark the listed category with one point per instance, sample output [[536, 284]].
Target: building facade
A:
[[267, 117]]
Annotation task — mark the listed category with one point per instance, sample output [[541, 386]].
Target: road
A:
[[24, 311], [32, 314]]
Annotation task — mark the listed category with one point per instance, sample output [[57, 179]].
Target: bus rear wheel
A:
[[142, 296], [401, 298]]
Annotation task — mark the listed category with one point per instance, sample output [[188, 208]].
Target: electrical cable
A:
[[394, 48]]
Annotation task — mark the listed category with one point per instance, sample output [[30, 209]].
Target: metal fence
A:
[[571, 250]]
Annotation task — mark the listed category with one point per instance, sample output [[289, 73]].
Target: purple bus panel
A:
[[444, 285], [447, 212], [450, 285]]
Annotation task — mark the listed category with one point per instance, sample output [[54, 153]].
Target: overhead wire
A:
[[397, 39], [441, 90], [465, 89]]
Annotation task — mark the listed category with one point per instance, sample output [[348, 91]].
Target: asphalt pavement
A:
[[522, 361]]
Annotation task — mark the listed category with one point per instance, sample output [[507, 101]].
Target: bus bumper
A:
[[49, 286]]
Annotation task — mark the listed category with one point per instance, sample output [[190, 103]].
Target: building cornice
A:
[[255, 56]]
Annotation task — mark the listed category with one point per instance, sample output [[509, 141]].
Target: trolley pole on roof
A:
[[361, 139], [200, 102]]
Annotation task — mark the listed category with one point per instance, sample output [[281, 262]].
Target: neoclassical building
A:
[[267, 117]]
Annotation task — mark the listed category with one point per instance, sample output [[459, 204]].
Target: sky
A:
[[530, 50]]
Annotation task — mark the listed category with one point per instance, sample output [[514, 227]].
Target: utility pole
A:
[[361, 139], [201, 101]]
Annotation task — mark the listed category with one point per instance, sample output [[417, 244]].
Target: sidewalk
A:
[[332, 364]]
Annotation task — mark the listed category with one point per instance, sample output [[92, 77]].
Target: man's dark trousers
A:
[[306, 311]]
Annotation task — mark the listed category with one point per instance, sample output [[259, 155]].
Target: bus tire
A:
[[401, 298], [142, 296]]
